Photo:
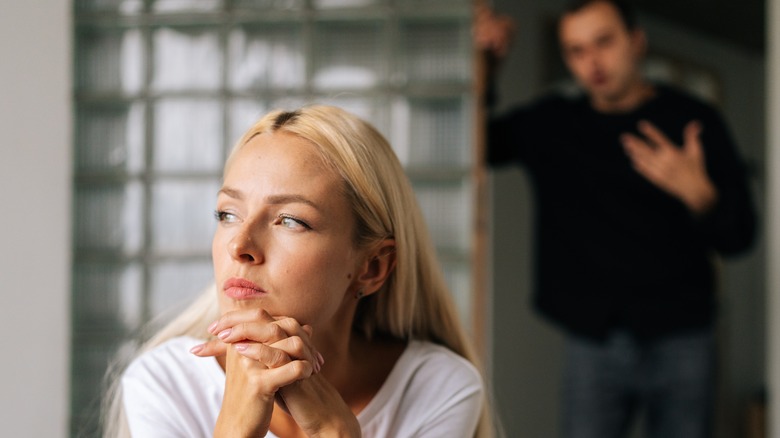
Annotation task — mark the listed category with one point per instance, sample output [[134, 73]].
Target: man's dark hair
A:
[[624, 10]]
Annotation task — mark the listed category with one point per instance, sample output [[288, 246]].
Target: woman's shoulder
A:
[[424, 356], [168, 391], [171, 359], [172, 350], [426, 370], [429, 385]]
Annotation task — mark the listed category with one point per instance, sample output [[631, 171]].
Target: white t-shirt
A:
[[431, 392]]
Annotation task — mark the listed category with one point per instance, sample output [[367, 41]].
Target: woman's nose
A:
[[244, 247]]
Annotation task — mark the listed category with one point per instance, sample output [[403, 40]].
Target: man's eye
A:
[[574, 52]]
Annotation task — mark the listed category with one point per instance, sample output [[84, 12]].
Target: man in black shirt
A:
[[636, 186]]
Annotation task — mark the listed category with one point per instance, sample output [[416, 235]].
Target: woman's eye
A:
[[292, 223], [223, 216]]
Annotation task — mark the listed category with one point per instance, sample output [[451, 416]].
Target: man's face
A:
[[601, 53]]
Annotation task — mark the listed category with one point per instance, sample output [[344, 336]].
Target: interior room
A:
[[728, 52]]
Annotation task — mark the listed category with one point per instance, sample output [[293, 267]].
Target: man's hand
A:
[[492, 32], [680, 172]]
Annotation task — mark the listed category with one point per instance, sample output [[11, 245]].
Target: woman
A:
[[330, 316]]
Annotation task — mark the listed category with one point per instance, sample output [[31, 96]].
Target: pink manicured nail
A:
[[212, 327], [224, 334], [320, 359], [196, 349], [241, 347]]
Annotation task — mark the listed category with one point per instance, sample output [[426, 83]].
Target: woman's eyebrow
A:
[[290, 199], [283, 198], [233, 193]]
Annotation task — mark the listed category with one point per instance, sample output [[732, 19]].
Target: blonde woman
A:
[[329, 316]]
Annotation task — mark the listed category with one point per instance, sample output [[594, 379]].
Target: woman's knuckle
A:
[[296, 344], [277, 332]]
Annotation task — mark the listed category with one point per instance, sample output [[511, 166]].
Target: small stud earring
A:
[[359, 294]]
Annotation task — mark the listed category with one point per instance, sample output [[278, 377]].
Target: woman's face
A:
[[284, 242]]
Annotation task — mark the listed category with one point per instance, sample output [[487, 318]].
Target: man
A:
[[636, 185]]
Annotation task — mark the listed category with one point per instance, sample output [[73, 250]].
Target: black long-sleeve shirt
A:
[[612, 249]]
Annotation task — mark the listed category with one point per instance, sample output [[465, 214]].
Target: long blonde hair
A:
[[414, 302]]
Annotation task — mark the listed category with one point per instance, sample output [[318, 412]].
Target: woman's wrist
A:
[[340, 429]]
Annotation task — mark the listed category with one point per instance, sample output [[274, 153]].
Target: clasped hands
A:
[[680, 171], [272, 360]]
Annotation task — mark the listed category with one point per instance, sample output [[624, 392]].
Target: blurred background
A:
[[117, 115]]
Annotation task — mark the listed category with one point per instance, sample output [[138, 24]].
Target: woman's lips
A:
[[241, 289]]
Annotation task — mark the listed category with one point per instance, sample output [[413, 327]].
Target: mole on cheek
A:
[[349, 276]]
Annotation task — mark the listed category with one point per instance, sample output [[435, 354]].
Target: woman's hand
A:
[[262, 355], [318, 408]]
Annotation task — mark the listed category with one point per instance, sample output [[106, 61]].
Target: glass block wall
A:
[[163, 88]]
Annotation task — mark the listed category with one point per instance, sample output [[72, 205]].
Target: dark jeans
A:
[[607, 384]]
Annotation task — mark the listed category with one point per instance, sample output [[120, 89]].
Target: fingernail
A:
[[320, 359], [224, 334], [241, 347], [196, 349], [212, 327]]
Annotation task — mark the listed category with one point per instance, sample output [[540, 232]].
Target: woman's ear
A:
[[379, 264]]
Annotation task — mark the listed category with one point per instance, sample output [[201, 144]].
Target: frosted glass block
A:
[[186, 59], [188, 135], [182, 216], [437, 52], [267, 57], [448, 4], [163, 6], [328, 4], [370, 109], [110, 61], [176, 284], [348, 55], [269, 4], [89, 364], [110, 138], [289, 103], [399, 129], [458, 277], [109, 217], [447, 211], [107, 296], [121, 6], [243, 114], [439, 133]]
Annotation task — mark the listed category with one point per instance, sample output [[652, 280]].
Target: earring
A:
[[359, 294]]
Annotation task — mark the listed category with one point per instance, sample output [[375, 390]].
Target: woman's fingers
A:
[[235, 317], [253, 331], [271, 341], [210, 348], [281, 353], [271, 378], [293, 328], [290, 373], [268, 356]]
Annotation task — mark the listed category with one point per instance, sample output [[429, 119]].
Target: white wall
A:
[[35, 152], [773, 216]]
